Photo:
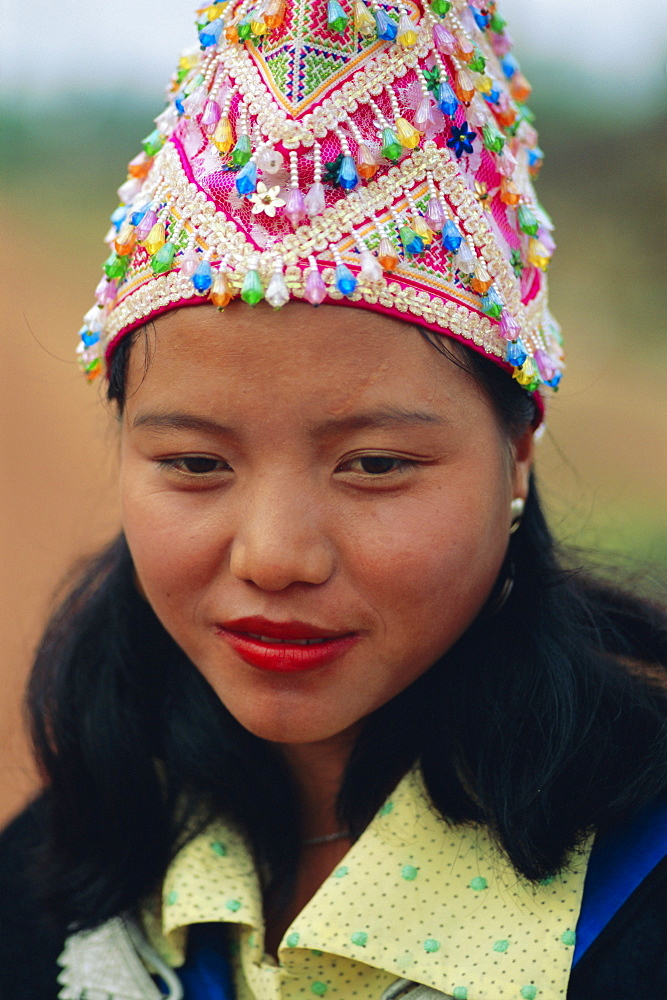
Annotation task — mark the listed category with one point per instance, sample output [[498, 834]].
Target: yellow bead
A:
[[363, 20], [407, 34], [259, 28], [156, 239], [538, 255], [485, 84], [422, 229], [223, 137], [407, 134]]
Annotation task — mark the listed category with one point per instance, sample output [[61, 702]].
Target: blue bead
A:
[[211, 34], [555, 381], [118, 217], [90, 338], [202, 279], [481, 19], [178, 102], [415, 246], [516, 353], [348, 177], [246, 179], [535, 156], [386, 28], [493, 96], [448, 102], [510, 66], [137, 216], [451, 237], [345, 280]]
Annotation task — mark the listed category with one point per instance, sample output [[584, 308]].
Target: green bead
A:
[[193, 84], [493, 139], [441, 7], [115, 266], [252, 291], [337, 19], [244, 31], [497, 24], [242, 151], [153, 143], [478, 63], [527, 222], [163, 260], [391, 147]]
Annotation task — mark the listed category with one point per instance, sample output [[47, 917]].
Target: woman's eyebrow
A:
[[386, 416], [175, 420]]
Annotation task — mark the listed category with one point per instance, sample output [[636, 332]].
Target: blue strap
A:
[[620, 861], [206, 974]]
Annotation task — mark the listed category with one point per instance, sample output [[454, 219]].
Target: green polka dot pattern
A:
[[413, 898]]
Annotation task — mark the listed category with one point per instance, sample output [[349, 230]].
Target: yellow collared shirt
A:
[[413, 899]]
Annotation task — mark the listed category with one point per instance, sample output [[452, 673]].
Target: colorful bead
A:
[[538, 255], [387, 256], [246, 179], [412, 243], [242, 151], [493, 139], [391, 147], [481, 280], [274, 14], [451, 237], [155, 239], [345, 280], [153, 143], [424, 113], [464, 87], [223, 136], [527, 221], [163, 260], [211, 34], [435, 215], [407, 33], [295, 206], [210, 117], [444, 40], [367, 164], [315, 201], [407, 134], [520, 89], [448, 102], [277, 294], [315, 291], [362, 18], [139, 166], [516, 352], [336, 17], [221, 293], [252, 291], [509, 192], [202, 279], [492, 304], [441, 7], [189, 262], [385, 27], [348, 177], [116, 267], [371, 269]]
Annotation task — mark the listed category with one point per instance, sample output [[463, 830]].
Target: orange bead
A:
[[274, 15], [509, 192], [520, 88], [481, 280], [464, 88], [367, 165], [126, 241], [139, 166], [231, 34], [465, 49], [506, 116], [387, 256], [221, 294]]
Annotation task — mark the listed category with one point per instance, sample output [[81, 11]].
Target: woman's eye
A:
[[376, 465], [194, 465]]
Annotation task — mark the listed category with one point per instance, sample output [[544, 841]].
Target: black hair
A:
[[546, 719]]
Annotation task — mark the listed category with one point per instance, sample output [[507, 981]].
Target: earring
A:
[[517, 508]]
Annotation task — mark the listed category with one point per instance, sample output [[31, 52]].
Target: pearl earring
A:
[[517, 507]]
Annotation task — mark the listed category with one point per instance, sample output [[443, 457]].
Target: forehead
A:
[[299, 359]]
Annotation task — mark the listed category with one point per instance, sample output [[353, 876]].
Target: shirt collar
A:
[[421, 899]]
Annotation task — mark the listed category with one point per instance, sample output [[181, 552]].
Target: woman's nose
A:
[[280, 540]]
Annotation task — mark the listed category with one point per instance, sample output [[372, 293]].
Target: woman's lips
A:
[[284, 647]]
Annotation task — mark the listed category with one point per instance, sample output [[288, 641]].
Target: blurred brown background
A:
[[601, 463]]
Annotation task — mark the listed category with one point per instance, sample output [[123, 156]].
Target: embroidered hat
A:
[[372, 153]]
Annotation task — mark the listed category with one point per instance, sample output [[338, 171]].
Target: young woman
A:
[[329, 718]]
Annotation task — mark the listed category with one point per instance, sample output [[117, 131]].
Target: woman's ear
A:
[[524, 448]]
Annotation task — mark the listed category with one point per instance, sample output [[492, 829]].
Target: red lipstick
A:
[[285, 647]]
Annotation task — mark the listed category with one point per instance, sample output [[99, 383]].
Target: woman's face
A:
[[317, 505]]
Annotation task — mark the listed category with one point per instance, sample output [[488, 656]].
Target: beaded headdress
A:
[[374, 153]]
